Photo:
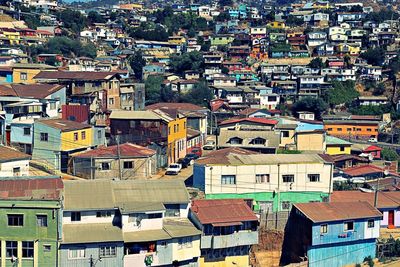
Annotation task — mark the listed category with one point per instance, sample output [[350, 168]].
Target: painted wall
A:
[[47, 152], [310, 141], [30, 73], [87, 217], [385, 220], [68, 143], [6, 168], [230, 261], [336, 150], [17, 133], [359, 129]]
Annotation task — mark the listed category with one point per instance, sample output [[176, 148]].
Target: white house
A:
[[13, 162]]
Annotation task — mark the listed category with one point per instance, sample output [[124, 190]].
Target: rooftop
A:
[[76, 75], [331, 140], [8, 154], [127, 150], [253, 120], [390, 199], [64, 125]]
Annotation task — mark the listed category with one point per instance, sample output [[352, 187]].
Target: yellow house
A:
[[348, 49], [287, 132], [310, 140], [24, 73], [179, 40], [277, 25], [337, 146], [10, 36]]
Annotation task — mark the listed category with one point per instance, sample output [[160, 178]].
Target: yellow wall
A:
[[13, 37], [335, 150], [230, 261], [310, 142], [287, 140], [186, 253], [30, 73], [68, 143], [180, 133], [277, 25]]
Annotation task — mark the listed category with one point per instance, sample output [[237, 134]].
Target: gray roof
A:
[[91, 233], [134, 115], [273, 139]]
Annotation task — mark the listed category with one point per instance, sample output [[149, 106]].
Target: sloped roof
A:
[[127, 150], [31, 189], [90, 233], [9, 154], [76, 75], [372, 148], [64, 125], [319, 212], [134, 115], [390, 199], [332, 140], [36, 90], [365, 170], [254, 120], [210, 211], [177, 106]]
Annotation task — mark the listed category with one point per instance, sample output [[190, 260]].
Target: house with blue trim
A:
[[331, 234]]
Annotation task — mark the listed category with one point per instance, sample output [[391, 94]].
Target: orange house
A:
[[353, 129]]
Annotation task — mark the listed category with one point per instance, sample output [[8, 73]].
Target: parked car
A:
[[196, 150], [185, 162], [209, 145], [373, 140], [174, 169]]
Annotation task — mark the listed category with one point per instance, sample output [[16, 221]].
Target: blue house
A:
[[331, 234]]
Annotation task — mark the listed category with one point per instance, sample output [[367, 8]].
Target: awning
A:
[[226, 224]]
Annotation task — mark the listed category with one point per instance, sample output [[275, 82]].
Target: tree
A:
[[341, 93], [225, 2], [389, 154], [148, 31], [199, 95], [95, 17], [294, 21], [153, 86], [188, 61], [66, 46], [379, 89], [316, 63], [72, 20], [223, 16], [374, 56], [137, 62], [316, 105]]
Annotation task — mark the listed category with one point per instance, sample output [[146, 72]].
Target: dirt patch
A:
[[268, 250]]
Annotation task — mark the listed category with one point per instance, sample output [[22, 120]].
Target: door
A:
[[391, 218]]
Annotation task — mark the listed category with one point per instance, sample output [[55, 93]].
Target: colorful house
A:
[[10, 36], [30, 221], [331, 234], [56, 139], [24, 73], [276, 25], [336, 146], [229, 229], [358, 127], [222, 39]]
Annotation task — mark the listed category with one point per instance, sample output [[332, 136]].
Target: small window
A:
[[44, 137], [27, 249], [262, 178], [324, 228], [76, 253], [111, 101], [53, 105], [46, 248], [108, 251], [104, 214], [369, 130], [228, 179], [99, 135], [329, 129], [75, 216], [11, 249], [314, 177], [75, 136], [128, 164], [288, 178], [15, 220], [285, 133], [105, 166], [371, 223], [23, 76], [339, 129], [16, 171], [27, 131], [342, 148], [83, 135], [286, 205], [349, 226], [41, 220]]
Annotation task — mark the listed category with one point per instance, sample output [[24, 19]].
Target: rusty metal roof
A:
[[64, 125], [76, 75], [389, 199], [211, 211], [9, 154], [127, 150], [337, 211], [31, 189]]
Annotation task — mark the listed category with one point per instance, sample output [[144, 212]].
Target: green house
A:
[[29, 221], [222, 39]]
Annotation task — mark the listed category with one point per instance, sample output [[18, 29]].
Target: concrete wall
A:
[[6, 168], [87, 217]]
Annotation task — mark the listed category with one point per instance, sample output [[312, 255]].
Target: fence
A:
[[274, 220]]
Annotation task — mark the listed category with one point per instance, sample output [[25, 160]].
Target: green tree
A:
[[187, 61], [199, 95], [294, 21], [153, 86], [316, 105], [389, 154], [316, 63], [341, 93], [65, 46], [379, 89], [137, 62], [374, 56], [223, 16], [95, 17], [72, 20]]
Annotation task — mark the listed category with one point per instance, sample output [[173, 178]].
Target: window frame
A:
[[371, 223], [309, 176], [128, 162], [76, 216], [44, 137], [20, 219], [323, 229], [76, 136], [105, 164], [286, 176], [344, 226], [12, 245], [28, 249], [78, 255], [228, 177], [107, 251], [29, 131], [265, 178], [83, 135], [39, 218]]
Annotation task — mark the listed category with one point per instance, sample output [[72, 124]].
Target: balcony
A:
[[242, 238]]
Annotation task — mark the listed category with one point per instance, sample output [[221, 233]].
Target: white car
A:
[[209, 145], [373, 140], [174, 169]]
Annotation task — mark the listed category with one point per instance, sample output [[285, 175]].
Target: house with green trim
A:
[[271, 182], [30, 221]]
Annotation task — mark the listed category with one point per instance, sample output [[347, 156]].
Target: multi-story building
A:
[[353, 126], [272, 182]]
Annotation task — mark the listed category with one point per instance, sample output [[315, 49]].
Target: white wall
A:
[[145, 224], [6, 168], [87, 217], [372, 232]]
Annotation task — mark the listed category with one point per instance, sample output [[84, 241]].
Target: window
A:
[[99, 134], [184, 242], [174, 128], [262, 178], [23, 76], [288, 178], [46, 248], [27, 249], [369, 130], [27, 131], [11, 249], [15, 220], [342, 148], [16, 171], [41, 220], [285, 133], [258, 141], [235, 141], [111, 101], [83, 135], [371, 223], [44, 137], [286, 205], [128, 164], [104, 214], [75, 136], [53, 105], [76, 253], [339, 129], [348, 226], [314, 177], [324, 228], [75, 216], [184, 125], [228, 179], [105, 166], [329, 129], [108, 251]]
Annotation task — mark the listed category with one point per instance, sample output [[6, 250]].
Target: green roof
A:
[[331, 140]]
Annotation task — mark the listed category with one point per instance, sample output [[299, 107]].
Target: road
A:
[[380, 144]]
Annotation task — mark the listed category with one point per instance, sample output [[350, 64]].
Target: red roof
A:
[[31, 189], [221, 211], [390, 199], [372, 148], [365, 169], [217, 104], [255, 120], [177, 106], [127, 150]]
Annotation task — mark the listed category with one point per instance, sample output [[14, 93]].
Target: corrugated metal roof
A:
[[76, 75], [31, 189], [64, 125], [222, 211], [146, 235], [90, 233], [337, 211], [254, 120], [127, 150], [134, 115], [389, 199], [9, 154], [180, 227], [331, 140]]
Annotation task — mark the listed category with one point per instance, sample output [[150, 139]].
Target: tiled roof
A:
[[7, 91], [222, 211], [31, 189], [365, 170], [255, 120], [342, 157], [10, 154], [64, 125], [389, 199], [127, 150], [337, 211]]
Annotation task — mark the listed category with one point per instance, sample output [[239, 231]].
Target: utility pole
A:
[[119, 159]]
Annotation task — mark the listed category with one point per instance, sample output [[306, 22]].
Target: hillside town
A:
[[208, 133]]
